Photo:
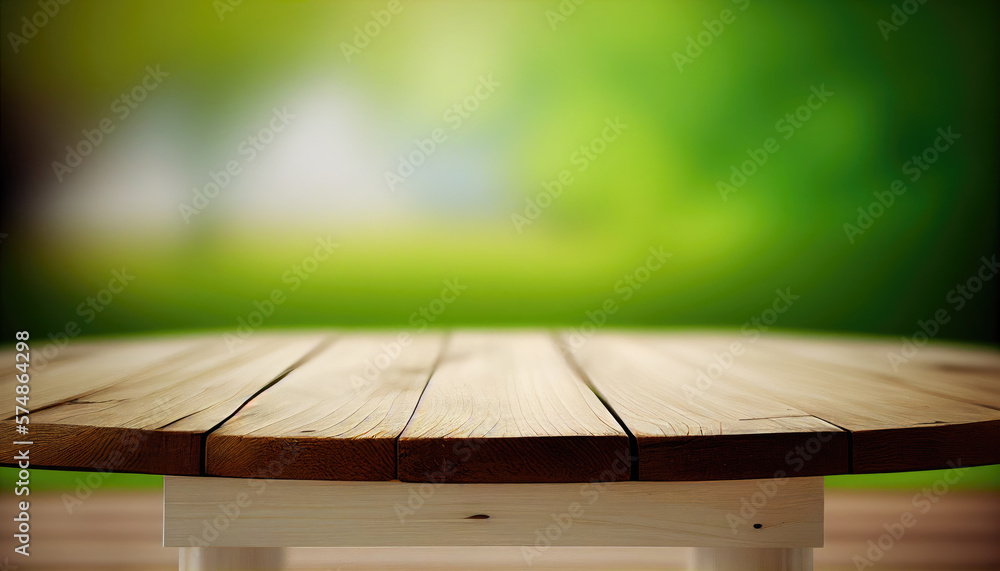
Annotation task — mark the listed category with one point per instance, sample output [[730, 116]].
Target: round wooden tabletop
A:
[[504, 406]]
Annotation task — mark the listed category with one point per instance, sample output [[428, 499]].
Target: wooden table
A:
[[529, 439]]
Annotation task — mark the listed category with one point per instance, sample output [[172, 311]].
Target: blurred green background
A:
[[361, 100]]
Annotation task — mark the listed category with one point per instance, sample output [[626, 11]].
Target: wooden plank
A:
[[688, 429], [507, 407], [338, 415], [153, 422], [893, 427], [85, 366], [303, 513], [970, 374]]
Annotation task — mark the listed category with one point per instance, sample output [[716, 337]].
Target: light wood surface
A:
[[510, 406], [83, 367], [893, 426], [970, 374], [153, 421], [297, 513], [675, 410], [507, 407], [336, 417]]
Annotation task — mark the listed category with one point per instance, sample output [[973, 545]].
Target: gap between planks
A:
[[633, 442], [326, 341]]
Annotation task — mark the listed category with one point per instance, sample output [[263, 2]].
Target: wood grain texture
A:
[[336, 417], [689, 428], [507, 407], [894, 427], [970, 374], [153, 421], [83, 367], [299, 513]]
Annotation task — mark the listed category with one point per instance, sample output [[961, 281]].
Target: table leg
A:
[[751, 559], [231, 558]]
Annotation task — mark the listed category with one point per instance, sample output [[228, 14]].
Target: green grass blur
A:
[[656, 185]]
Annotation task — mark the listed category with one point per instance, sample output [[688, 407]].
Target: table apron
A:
[[236, 512]]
